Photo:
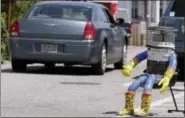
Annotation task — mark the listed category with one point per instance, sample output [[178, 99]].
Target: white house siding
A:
[[155, 12], [155, 9], [141, 10], [127, 5]]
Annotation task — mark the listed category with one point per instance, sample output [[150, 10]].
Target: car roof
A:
[[76, 3]]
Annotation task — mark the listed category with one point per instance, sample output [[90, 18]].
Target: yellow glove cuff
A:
[[132, 63], [169, 73]]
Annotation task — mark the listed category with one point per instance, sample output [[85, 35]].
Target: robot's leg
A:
[[145, 105], [130, 96], [146, 97], [129, 104]]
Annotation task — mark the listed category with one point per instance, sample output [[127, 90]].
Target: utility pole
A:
[[145, 10], [148, 13], [9, 12], [157, 11]]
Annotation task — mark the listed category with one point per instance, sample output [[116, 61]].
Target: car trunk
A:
[[52, 29]]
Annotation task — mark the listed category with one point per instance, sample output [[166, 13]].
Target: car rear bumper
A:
[[70, 51]]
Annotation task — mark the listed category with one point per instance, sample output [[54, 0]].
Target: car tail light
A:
[[89, 32], [14, 29]]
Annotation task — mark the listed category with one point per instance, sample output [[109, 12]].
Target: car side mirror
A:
[[120, 21]]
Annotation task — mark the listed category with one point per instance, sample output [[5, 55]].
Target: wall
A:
[[138, 34], [141, 9], [127, 5]]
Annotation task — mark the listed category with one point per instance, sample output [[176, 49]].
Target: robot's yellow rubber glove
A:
[[165, 83], [126, 71]]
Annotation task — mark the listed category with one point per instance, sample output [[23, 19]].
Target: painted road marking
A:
[[162, 101], [159, 102], [177, 87], [127, 84], [172, 104]]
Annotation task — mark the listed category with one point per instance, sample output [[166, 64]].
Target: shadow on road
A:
[[116, 113], [76, 71], [111, 112]]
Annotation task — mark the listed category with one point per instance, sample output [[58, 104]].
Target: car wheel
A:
[[119, 64], [18, 65], [49, 65], [125, 49], [100, 67]]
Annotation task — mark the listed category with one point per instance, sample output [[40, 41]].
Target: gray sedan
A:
[[72, 33]]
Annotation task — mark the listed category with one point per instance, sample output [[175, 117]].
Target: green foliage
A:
[[4, 38], [19, 8]]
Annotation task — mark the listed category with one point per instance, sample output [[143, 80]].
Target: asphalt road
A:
[[76, 92]]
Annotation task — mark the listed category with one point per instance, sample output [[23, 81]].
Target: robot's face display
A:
[[159, 50], [156, 39]]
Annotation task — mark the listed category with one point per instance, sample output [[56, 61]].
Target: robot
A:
[[161, 66]]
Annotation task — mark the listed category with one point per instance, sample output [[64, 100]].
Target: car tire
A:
[[100, 67], [49, 65], [18, 66], [119, 64], [125, 50]]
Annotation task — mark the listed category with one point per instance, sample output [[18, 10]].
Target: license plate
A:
[[49, 48]]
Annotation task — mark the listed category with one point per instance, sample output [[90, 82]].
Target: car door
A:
[[116, 35], [104, 25]]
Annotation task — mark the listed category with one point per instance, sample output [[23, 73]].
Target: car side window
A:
[[109, 16], [102, 16]]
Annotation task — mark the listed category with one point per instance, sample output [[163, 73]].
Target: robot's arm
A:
[[139, 58], [171, 66]]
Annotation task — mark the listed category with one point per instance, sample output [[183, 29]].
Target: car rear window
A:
[[61, 12]]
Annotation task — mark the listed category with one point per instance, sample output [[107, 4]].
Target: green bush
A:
[[19, 8], [4, 38]]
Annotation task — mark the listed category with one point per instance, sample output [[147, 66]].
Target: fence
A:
[[138, 34]]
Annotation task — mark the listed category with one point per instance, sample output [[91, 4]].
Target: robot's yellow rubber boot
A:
[[145, 106], [129, 105]]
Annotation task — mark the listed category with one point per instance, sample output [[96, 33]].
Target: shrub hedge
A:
[[19, 8]]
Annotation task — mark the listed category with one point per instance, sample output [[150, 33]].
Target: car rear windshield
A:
[[61, 12], [178, 8]]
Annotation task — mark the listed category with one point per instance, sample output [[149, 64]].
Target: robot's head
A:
[[161, 37]]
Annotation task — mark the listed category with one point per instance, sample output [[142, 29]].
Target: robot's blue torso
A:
[[158, 60]]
